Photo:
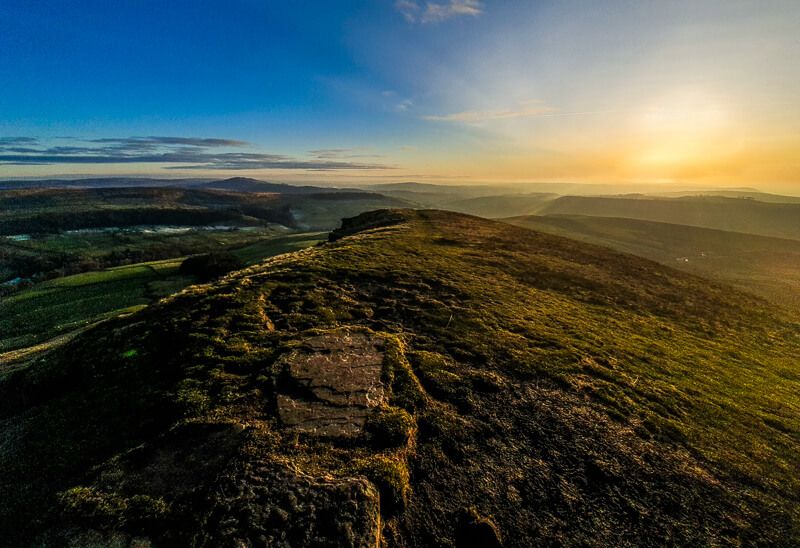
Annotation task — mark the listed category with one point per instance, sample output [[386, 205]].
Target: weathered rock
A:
[[330, 384]]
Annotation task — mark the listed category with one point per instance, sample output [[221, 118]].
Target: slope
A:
[[426, 378], [732, 214], [768, 267]]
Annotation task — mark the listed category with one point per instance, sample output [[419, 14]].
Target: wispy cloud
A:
[[343, 153], [6, 141], [526, 110], [155, 141], [404, 106], [432, 12], [186, 152]]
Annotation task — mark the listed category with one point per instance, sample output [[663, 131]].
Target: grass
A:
[[58, 306], [768, 267], [66, 304], [778, 220], [548, 392]]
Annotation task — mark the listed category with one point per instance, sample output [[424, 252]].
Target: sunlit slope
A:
[[509, 386], [780, 220], [768, 267]]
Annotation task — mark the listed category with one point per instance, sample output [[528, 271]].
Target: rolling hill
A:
[[55, 210], [780, 220], [768, 267], [426, 378]]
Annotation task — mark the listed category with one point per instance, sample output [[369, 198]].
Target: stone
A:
[[330, 384]]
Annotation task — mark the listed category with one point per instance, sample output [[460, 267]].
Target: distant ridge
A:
[[235, 184], [246, 184], [781, 220]]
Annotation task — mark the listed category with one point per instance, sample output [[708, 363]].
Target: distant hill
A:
[[245, 184], [234, 184], [769, 267], [500, 206], [423, 379], [731, 214], [97, 182], [745, 193], [50, 210]]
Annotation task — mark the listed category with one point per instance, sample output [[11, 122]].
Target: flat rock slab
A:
[[330, 384]]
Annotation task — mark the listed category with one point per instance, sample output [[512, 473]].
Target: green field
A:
[[48, 255], [58, 306]]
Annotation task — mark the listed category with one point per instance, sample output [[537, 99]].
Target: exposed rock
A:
[[331, 383]]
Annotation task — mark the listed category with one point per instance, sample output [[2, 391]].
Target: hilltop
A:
[[425, 378]]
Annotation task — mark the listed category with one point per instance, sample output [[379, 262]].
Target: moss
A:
[[390, 427], [436, 373], [407, 392], [192, 397], [89, 507], [390, 475], [145, 513]]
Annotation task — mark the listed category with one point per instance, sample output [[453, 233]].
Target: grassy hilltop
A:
[[426, 378]]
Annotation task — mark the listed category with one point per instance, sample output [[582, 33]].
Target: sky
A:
[[459, 91]]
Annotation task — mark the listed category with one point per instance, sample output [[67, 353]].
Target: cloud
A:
[[432, 12], [404, 105], [5, 141], [155, 141], [527, 110], [187, 152], [343, 153]]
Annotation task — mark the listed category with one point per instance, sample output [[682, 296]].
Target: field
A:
[[53, 308], [40, 257]]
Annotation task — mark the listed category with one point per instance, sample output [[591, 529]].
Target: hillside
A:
[[768, 267], [502, 205], [426, 378], [54, 210], [779, 220]]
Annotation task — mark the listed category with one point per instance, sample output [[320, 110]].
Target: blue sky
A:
[[451, 90]]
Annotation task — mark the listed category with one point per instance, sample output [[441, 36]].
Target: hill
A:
[[425, 378], [54, 210], [748, 194], [246, 184], [500, 206], [768, 267], [779, 220], [234, 184]]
